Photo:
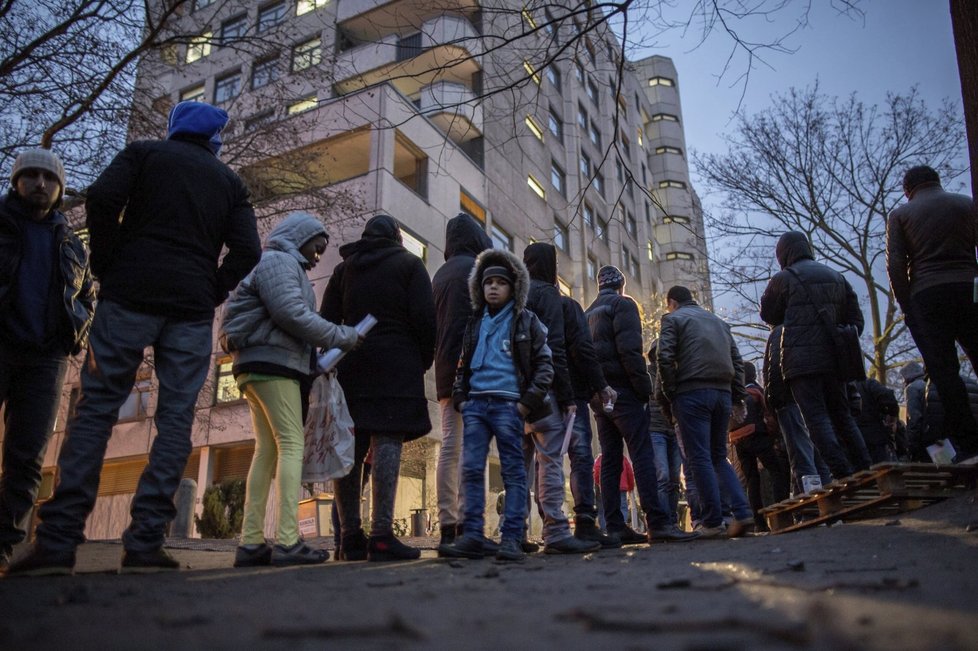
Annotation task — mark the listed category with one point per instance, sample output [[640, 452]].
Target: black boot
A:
[[389, 548], [353, 547], [586, 528], [448, 535]]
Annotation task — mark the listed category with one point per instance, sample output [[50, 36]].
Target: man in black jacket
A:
[[46, 305], [808, 353], [877, 418], [931, 244], [159, 217], [616, 328], [465, 238]]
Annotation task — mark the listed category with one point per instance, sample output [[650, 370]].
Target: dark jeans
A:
[[582, 462], [383, 469], [181, 358], [30, 391], [825, 408], [628, 425], [803, 458], [668, 461], [943, 315], [761, 448]]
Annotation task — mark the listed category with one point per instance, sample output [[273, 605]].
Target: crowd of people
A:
[[514, 361]]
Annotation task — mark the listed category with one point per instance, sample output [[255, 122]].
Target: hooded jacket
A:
[[776, 392], [582, 361], [616, 329], [806, 344], [383, 379], [528, 338], [160, 215], [270, 320], [465, 238], [544, 301]]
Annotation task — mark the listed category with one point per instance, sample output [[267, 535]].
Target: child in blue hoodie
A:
[[503, 377]]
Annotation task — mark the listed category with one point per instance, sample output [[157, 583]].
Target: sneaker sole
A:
[[510, 559]]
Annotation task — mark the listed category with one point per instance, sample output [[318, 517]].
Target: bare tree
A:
[[832, 169]]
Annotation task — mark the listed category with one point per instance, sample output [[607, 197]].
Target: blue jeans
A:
[[544, 441], [582, 463], [30, 391], [825, 408], [628, 425], [802, 456], [703, 416], [667, 462], [181, 357], [485, 418]]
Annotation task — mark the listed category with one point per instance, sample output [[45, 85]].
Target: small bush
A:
[[223, 510]]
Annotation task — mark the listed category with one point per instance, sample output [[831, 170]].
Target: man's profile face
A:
[[672, 305], [39, 188]]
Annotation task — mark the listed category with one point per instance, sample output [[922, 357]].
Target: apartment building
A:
[[526, 118]]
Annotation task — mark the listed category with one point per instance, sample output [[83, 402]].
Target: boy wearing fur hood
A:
[[503, 377]]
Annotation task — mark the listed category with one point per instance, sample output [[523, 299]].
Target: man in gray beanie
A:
[[46, 303]]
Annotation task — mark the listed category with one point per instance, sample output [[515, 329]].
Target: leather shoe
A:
[[571, 545], [671, 533]]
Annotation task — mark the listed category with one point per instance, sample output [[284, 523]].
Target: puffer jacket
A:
[[582, 362], [270, 320], [544, 301], [78, 291], [531, 355], [697, 351], [616, 329], [806, 344], [465, 238], [776, 392]]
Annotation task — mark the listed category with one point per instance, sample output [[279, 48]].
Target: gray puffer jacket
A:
[[271, 317]]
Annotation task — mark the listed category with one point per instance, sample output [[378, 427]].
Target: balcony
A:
[[452, 107], [373, 20], [446, 49]]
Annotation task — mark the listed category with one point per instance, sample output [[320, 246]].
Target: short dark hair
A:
[[919, 175], [679, 294]]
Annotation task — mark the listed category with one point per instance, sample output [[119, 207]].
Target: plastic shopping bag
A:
[[329, 433]]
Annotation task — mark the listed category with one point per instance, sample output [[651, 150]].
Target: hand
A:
[[739, 413], [570, 409], [523, 409], [360, 339], [608, 395]]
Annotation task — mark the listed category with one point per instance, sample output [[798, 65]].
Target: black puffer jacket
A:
[[878, 402], [582, 361], [544, 301], [465, 238], [806, 345], [776, 392], [383, 379], [528, 341], [616, 329]]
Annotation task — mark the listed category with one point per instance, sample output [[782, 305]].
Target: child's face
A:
[[497, 292]]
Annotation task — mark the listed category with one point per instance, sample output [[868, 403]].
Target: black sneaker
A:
[[298, 554], [629, 536], [489, 546], [157, 560], [353, 547], [510, 550], [671, 533], [43, 562], [587, 529], [464, 547], [528, 546], [571, 545], [388, 548], [252, 555]]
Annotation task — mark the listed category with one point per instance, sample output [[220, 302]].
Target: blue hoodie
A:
[[198, 119]]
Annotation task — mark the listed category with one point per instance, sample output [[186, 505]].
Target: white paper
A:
[[568, 432], [328, 360], [941, 452]]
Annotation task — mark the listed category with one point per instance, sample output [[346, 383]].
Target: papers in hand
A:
[[941, 452], [568, 431], [328, 360]]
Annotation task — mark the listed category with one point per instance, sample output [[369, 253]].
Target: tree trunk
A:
[[964, 20]]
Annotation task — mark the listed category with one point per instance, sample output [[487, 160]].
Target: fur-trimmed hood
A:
[[499, 258]]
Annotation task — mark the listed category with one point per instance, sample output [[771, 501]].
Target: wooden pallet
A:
[[883, 490]]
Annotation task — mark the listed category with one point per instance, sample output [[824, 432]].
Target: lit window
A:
[[661, 81], [534, 75], [226, 387], [227, 88], [672, 184], [302, 105], [306, 55], [536, 187], [669, 150], [563, 287], [558, 179], [195, 94], [561, 237], [675, 219], [553, 76], [555, 125], [270, 16], [534, 127], [414, 245], [264, 72], [678, 255], [639, 137], [234, 29], [528, 17], [668, 117], [199, 47], [500, 238], [469, 205], [651, 250], [305, 6]]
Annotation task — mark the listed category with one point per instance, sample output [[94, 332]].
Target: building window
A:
[[306, 55], [195, 94], [592, 268], [631, 263], [226, 388], [302, 105], [555, 125], [675, 219], [619, 170], [136, 405], [639, 137], [588, 216], [264, 72], [599, 183], [601, 230], [678, 255], [227, 88], [305, 6], [553, 76], [500, 238], [651, 250], [661, 81], [585, 166], [536, 187], [578, 71], [631, 226], [668, 117], [672, 184], [561, 237], [200, 4], [413, 244], [234, 29], [581, 117], [255, 122], [548, 25], [592, 91], [590, 52], [564, 287], [528, 17], [199, 47], [534, 75], [626, 144], [669, 150], [469, 205], [534, 127], [270, 16], [558, 178], [594, 134], [411, 165], [409, 47]]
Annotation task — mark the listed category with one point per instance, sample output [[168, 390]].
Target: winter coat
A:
[[465, 238], [383, 379], [75, 293], [776, 392], [179, 206], [659, 421], [929, 427], [877, 402], [582, 361], [931, 240], [616, 329], [806, 344], [697, 351], [544, 301], [271, 319], [528, 339]]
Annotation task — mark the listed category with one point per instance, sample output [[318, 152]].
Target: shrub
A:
[[223, 510]]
